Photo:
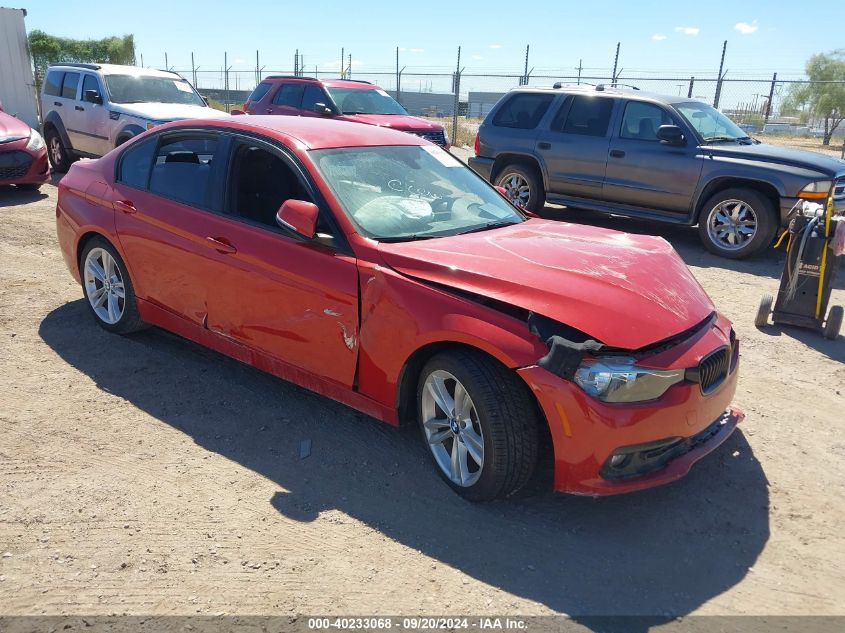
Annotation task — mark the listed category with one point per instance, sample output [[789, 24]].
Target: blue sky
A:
[[656, 36]]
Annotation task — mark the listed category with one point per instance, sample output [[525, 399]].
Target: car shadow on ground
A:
[[660, 552], [12, 196]]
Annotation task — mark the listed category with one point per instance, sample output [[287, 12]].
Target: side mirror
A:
[[671, 135], [322, 108], [92, 96], [299, 216]]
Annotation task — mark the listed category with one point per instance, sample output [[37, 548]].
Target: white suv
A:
[[89, 109]]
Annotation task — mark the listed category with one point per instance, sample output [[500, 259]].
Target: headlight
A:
[[816, 190], [35, 142], [620, 380]]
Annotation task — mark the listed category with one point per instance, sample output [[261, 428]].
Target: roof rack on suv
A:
[[601, 87], [290, 77], [558, 84], [357, 81], [75, 65]]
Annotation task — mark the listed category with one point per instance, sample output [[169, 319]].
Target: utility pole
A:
[[193, 70], [524, 81], [296, 63], [457, 104], [349, 68], [580, 68], [771, 97], [342, 60], [166, 66]]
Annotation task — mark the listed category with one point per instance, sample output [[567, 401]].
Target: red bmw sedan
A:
[[376, 269], [23, 156]]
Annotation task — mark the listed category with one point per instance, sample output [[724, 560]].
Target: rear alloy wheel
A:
[[523, 187], [58, 154], [108, 289], [737, 223], [479, 423]]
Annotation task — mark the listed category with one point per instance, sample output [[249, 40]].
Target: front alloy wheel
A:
[[732, 224], [480, 423], [517, 188], [450, 424], [737, 222]]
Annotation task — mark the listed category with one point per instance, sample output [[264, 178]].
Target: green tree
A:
[[48, 49], [824, 95]]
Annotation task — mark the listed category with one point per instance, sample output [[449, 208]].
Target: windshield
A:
[[711, 124], [368, 101], [399, 193], [149, 89]]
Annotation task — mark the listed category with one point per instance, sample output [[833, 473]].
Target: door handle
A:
[[80, 108], [57, 103], [221, 245], [544, 145], [617, 153], [269, 110], [124, 205]]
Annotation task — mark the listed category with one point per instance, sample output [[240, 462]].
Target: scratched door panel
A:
[[294, 300]]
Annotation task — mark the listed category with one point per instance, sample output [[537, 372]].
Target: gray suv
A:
[[663, 158]]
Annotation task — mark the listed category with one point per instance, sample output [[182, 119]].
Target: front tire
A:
[[108, 289], [524, 187], [60, 157], [480, 424], [737, 223]]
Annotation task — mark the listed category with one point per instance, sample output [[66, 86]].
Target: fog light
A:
[[619, 460]]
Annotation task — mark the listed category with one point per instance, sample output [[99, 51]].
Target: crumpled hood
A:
[[800, 158], [12, 128], [394, 121], [167, 111], [624, 290]]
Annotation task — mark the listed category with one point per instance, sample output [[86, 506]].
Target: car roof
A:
[[359, 84], [118, 69], [627, 93], [313, 132]]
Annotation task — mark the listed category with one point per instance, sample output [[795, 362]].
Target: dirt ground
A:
[[146, 475]]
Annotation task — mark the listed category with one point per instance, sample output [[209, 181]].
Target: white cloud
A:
[[658, 38], [478, 56], [687, 30], [495, 46], [416, 50], [745, 28]]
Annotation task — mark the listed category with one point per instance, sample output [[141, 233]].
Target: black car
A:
[[664, 158]]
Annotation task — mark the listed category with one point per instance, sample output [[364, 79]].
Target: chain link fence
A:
[[755, 103]]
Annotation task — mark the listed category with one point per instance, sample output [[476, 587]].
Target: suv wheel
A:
[[58, 154], [736, 223], [523, 186]]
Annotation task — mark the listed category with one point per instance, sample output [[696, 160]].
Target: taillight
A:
[[476, 145]]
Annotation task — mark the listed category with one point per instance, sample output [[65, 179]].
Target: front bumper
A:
[[481, 166], [19, 166], [684, 423]]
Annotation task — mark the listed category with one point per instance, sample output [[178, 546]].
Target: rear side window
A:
[[259, 92], [589, 116], [69, 85], [53, 83], [641, 121], [313, 95], [182, 169], [523, 110], [289, 95], [135, 164]]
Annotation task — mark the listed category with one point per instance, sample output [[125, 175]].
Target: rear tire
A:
[[763, 312], [524, 186], [108, 289], [60, 158], [737, 223], [471, 406], [834, 322]]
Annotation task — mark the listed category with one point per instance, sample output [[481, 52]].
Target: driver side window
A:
[[261, 181], [642, 120]]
